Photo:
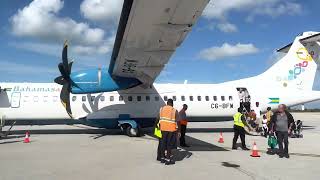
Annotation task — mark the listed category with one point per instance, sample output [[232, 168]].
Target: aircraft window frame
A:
[[92, 98], [190, 98], [45, 98], [156, 98], [139, 98], [230, 98], [111, 98], [84, 98], [35, 98], [223, 98], [165, 98], [121, 98], [147, 98], [130, 98], [207, 98], [215, 98], [174, 98], [25, 98], [102, 98], [55, 98], [74, 98], [183, 98], [199, 98]]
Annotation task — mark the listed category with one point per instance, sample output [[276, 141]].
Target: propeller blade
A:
[[59, 80], [65, 97], [65, 57], [62, 71]]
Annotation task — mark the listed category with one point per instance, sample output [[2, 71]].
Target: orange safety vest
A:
[[168, 119]]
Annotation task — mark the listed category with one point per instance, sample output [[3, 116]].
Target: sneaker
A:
[[184, 145], [287, 156], [170, 162], [234, 148]]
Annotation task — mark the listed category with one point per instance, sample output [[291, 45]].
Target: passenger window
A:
[[207, 98], [215, 98], [183, 98], [230, 98], [129, 98], [93, 98], [165, 98], [147, 98], [45, 98], [35, 98], [111, 98], [102, 98], [156, 98], [174, 98], [199, 98], [55, 98], [138, 98], [191, 98], [26, 99], [84, 98], [222, 98], [120, 98], [74, 98]]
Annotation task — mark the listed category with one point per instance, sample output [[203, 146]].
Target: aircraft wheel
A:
[[132, 132]]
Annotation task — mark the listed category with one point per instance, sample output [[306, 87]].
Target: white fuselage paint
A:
[[41, 100]]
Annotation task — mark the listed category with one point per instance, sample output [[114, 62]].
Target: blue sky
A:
[[32, 34]]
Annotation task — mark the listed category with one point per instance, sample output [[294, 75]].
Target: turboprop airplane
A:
[[125, 96]]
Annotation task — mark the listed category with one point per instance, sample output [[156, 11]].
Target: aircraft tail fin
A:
[[297, 69]]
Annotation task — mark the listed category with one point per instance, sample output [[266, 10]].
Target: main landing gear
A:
[[128, 126]]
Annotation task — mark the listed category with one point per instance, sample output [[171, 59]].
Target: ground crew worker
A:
[[239, 123], [168, 125], [183, 125]]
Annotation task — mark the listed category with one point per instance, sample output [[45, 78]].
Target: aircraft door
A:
[[15, 100]]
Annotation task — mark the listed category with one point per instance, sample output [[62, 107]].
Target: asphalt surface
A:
[[80, 152]]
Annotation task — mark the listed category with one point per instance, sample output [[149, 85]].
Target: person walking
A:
[[183, 125], [282, 122], [239, 123], [269, 114], [168, 116]]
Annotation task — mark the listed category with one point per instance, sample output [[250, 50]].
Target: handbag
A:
[[157, 131], [272, 141]]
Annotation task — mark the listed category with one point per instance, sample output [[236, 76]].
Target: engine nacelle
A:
[[99, 80]]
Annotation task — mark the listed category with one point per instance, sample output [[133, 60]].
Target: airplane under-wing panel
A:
[[149, 33]]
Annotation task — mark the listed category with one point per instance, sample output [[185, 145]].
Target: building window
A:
[[215, 98], [74, 98], [207, 98], [230, 98], [111, 98], [120, 98], [183, 98], [138, 98], [129, 98], [174, 98], [222, 98], [84, 98], [165, 98], [147, 98], [156, 98], [191, 98], [199, 98], [102, 98]]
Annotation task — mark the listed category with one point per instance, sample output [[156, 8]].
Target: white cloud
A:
[[40, 20], [101, 10], [219, 9], [227, 50], [227, 27]]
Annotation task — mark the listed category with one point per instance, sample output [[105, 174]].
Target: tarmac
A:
[[80, 152]]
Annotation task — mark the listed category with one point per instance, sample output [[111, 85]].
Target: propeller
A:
[[65, 80]]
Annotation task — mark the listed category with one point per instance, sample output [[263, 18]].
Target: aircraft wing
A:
[[148, 34]]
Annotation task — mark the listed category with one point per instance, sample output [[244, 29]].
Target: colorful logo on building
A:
[[274, 100]]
